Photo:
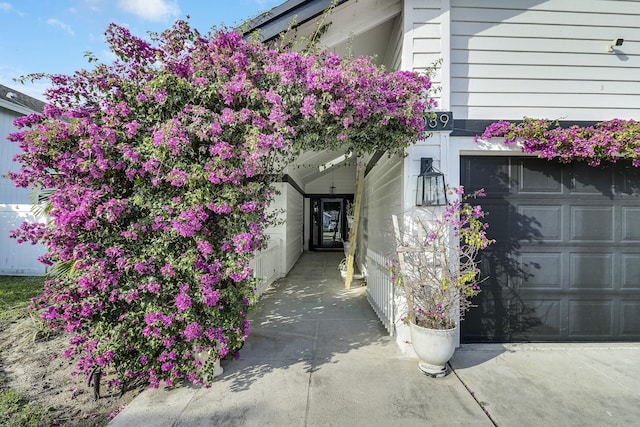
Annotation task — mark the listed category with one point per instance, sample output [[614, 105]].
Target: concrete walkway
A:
[[318, 356]]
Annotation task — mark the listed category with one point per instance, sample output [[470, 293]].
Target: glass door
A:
[[327, 222], [331, 223]]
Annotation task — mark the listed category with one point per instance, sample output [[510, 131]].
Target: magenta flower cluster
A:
[[157, 172], [604, 141]]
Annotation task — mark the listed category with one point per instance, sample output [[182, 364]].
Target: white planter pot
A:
[[204, 356], [434, 348]]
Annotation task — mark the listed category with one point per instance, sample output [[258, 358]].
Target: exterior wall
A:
[[382, 198], [294, 226], [8, 191], [291, 204], [15, 207], [503, 60], [383, 189], [544, 59], [426, 42]]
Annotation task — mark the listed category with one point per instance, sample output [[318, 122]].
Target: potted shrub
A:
[[437, 266]]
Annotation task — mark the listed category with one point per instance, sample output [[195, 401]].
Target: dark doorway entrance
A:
[[328, 222]]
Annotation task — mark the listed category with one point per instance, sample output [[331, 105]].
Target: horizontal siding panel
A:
[[596, 113], [593, 6], [294, 225], [427, 45], [421, 16], [526, 72], [426, 31], [543, 86], [564, 18], [8, 191], [542, 30], [383, 198], [541, 44], [540, 100], [602, 59]]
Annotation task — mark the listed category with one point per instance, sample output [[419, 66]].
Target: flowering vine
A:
[[604, 141], [158, 171]]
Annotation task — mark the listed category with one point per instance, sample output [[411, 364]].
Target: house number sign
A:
[[438, 121]]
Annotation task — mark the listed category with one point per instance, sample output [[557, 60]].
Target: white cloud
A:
[[92, 5], [5, 6], [57, 23], [151, 10]]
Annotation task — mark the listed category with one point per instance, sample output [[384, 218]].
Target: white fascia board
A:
[[15, 107]]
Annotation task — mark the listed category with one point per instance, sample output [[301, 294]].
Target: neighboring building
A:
[[15, 204], [566, 265]]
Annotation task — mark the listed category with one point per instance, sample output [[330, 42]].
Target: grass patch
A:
[[16, 411], [15, 296], [18, 290]]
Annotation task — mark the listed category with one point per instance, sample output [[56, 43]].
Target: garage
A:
[[566, 263]]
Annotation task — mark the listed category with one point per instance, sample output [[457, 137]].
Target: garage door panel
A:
[[630, 271], [590, 319], [491, 173], [539, 223], [566, 263], [541, 319], [583, 180], [541, 271], [536, 177], [500, 213], [629, 178], [589, 223], [630, 224], [591, 271], [630, 318]]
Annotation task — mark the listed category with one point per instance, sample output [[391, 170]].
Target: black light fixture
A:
[[432, 190]]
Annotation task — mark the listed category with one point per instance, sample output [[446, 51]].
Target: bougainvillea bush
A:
[[158, 171], [604, 141]]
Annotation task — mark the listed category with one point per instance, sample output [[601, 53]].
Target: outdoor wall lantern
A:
[[431, 186]]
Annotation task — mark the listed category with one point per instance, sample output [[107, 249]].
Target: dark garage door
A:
[[566, 264]]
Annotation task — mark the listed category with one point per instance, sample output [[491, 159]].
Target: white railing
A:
[[380, 289], [266, 265]]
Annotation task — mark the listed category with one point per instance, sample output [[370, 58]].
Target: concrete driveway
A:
[[318, 356]]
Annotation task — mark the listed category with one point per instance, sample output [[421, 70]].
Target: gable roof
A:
[[16, 101]]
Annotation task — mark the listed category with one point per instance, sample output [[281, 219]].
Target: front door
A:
[[328, 222]]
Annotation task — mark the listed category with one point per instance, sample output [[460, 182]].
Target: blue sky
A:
[[51, 36]]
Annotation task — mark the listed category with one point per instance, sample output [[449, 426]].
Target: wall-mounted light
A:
[[614, 42], [432, 189]]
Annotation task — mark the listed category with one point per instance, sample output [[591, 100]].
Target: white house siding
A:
[[289, 232], [383, 195], [511, 59], [294, 227], [426, 26], [8, 191], [15, 207], [382, 198]]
